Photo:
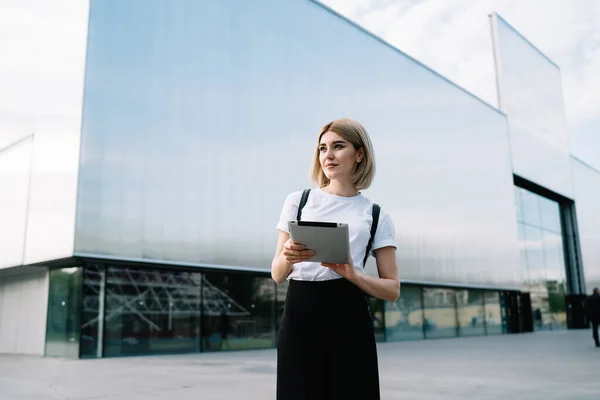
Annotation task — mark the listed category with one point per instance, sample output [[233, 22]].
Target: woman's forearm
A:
[[280, 269], [386, 289]]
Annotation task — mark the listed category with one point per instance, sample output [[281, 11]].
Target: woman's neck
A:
[[341, 189]]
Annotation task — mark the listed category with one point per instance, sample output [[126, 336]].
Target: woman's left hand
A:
[[344, 270]]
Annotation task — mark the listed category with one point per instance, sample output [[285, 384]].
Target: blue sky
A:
[[453, 37]]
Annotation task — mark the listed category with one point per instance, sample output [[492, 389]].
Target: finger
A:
[[296, 246], [299, 253]]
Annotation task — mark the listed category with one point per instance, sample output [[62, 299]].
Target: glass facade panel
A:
[[376, 308], [493, 313], [64, 302], [543, 260], [522, 245], [530, 92], [519, 204], [404, 317], [471, 313], [143, 128], [540, 306], [562, 285], [555, 273], [137, 310], [440, 313], [587, 188], [531, 208], [151, 311], [280, 293], [534, 247], [238, 312], [550, 215], [92, 316]]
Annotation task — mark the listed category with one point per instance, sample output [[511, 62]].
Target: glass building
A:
[[138, 212]]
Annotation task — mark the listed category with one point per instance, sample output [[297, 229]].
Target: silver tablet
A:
[[329, 240]]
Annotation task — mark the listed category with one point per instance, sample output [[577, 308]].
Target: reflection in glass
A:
[[62, 324], [552, 258], [530, 92], [531, 208], [238, 312], [522, 253], [440, 313], [151, 311], [587, 185], [540, 306], [518, 204], [376, 307], [180, 77], [534, 247], [91, 314], [280, 294], [556, 305], [550, 215], [493, 313], [404, 317], [471, 314]]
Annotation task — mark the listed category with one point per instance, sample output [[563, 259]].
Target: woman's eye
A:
[[322, 149], [339, 146]]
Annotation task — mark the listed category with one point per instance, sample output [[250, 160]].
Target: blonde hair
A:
[[357, 135]]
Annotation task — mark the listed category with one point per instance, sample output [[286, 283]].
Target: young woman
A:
[[326, 347]]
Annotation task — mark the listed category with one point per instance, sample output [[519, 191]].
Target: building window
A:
[[404, 317], [542, 258], [440, 313], [238, 312], [151, 311]]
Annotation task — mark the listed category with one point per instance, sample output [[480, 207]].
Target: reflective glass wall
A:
[[165, 83], [132, 309], [150, 311], [63, 318], [430, 312], [238, 312], [587, 205], [530, 93], [542, 257]]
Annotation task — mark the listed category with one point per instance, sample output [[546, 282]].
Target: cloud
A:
[[453, 38]]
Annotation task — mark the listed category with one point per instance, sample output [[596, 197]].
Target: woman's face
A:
[[338, 157]]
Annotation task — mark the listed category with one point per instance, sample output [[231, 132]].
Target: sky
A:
[[453, 38], [450, 36]]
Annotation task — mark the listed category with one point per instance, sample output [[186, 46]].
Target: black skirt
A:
[[326, 345]]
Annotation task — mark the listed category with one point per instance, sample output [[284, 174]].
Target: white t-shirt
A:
[[325, 207]]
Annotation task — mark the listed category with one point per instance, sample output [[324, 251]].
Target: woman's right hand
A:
[[294, 252]]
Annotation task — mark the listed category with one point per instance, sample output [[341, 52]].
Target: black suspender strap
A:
[[375, 213], [303, 201]]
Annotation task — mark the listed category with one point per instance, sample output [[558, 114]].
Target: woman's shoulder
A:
[[383, 214], [294, 197]]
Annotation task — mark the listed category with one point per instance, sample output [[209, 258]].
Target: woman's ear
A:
[[361, 155]]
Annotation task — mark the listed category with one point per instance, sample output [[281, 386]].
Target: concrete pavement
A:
[[548, 365]]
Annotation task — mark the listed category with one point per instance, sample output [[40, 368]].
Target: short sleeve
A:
[[386, 233], [289, 211]]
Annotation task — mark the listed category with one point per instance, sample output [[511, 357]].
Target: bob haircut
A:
[[357, 135]]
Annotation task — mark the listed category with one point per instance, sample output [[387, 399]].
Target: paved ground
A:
[[553, 365]]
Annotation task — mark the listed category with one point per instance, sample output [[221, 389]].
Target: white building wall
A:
[[23, 308], [41, 76]]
